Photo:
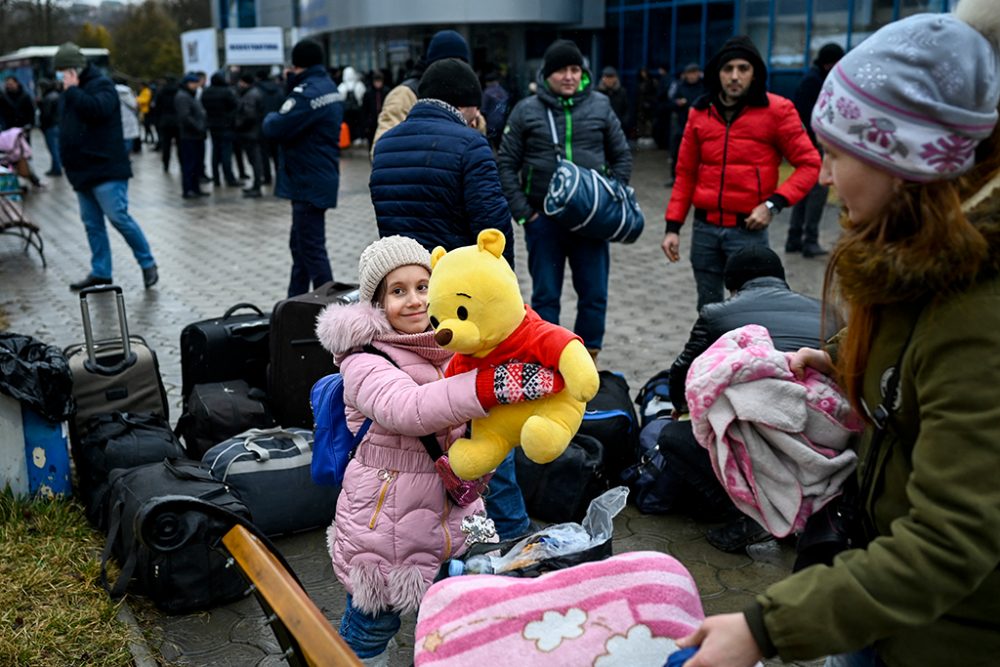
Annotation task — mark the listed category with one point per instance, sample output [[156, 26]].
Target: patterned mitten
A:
[[514, 382]]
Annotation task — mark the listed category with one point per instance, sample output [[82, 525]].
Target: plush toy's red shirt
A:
[[534, 340]]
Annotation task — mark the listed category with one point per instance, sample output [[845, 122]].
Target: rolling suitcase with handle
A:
[[297, 358], [232, 347], [116, 374]]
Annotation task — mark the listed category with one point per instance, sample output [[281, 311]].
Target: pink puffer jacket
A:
[[395, 524]]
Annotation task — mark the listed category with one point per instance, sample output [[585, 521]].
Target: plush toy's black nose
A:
[[443, 337]]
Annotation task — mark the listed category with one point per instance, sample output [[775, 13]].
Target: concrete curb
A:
[[137, 645]]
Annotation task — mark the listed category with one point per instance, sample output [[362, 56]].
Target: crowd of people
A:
[[914, 155]]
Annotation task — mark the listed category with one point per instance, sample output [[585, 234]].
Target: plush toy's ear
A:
[[436, 255], [492, 241]]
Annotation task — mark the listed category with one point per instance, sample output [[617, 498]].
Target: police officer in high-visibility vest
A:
[[307, 130]]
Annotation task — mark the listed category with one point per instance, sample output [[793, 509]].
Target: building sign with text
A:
[[255, 46]]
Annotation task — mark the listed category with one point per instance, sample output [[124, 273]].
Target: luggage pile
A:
[[243, 442]]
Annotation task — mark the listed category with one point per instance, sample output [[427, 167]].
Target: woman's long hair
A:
[[922, 246]]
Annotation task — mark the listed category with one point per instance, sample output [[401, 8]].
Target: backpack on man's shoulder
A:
[[333, 442]]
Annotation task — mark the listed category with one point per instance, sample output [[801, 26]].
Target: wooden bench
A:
[[13, 223]]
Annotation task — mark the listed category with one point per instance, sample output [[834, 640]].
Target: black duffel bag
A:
[[216, 411], [189, 575], [561, 491], [118, 440]]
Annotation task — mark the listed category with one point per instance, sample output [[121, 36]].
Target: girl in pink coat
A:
[[395, 523]]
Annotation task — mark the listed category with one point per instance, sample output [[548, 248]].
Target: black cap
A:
[[561, 53], [307, 53], [452, 81], [749, 262], [829, 54]]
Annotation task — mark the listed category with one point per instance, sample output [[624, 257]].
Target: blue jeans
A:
[[367, 635], [310, 263], [110, 199], [711, 246], [52, 143], [866, 657], [549, 246], [505, 503]]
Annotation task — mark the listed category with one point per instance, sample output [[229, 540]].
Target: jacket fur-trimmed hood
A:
[[342, 328]]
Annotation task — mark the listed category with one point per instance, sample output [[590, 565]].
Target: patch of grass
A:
[[53, 611]]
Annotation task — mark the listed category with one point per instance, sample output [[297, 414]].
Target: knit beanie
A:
[[385, 256], [452, 81], [916, 97], [447, 44], [307, 53], [561, 53], [69, 55], [749, 262]]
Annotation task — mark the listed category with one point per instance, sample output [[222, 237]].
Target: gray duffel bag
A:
[[269, 469]]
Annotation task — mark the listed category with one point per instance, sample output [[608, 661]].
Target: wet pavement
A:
[[224, 249]]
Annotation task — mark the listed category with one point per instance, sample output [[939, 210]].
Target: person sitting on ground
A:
[[755, 279]]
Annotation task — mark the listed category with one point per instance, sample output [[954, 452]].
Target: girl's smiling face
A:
[[405, 299]]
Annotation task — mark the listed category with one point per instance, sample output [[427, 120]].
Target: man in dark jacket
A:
[[433, 177], [496, 107], [249, 116], [16, 106], [611, 86], [220, 104], [166, 116], [681, 95], [589, 135], [735, 141], [803, 228], [48, 122], [97, 166], [191, 126], [371, 106], [271, 99], [756, 279], [307, 130]]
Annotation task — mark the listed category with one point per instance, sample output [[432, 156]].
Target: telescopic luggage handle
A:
[[128, 357]]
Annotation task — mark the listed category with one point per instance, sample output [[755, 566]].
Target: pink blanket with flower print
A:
[[624, 611], [779, 445]]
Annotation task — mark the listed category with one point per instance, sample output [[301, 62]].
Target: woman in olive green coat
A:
[[908, 122]]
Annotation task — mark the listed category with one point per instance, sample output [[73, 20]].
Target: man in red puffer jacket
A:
[[734, 142]]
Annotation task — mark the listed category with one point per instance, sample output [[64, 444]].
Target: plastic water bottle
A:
[[475, 565]]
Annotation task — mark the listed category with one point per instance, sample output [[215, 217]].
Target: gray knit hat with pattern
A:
[[385, 256], [917, 97]]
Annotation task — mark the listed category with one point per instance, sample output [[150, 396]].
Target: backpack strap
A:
[[429, 441], [128, 567]]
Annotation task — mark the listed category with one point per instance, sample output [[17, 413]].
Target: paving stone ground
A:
[[223, 249]]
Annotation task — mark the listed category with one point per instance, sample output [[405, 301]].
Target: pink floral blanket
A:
[[779, 445], [624, 611]]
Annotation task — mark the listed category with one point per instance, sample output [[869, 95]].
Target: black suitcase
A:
[[297, 358], [193, 573], [270, 470], [217, 411], [231, 347], [118, 374]]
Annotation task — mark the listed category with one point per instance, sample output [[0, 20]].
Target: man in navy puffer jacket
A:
[[307, 129], [434, 178]]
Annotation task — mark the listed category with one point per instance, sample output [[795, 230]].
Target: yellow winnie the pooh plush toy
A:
[[476, 309]]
